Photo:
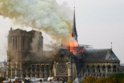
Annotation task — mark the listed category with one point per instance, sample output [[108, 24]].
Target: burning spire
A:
[[74, 30], [73, 44]]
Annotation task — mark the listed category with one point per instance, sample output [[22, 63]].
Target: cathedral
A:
[[26, 58]]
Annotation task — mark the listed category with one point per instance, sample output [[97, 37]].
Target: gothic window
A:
[[29, 68], [33, 68], [33, 75], [87, 68], [93, 68], [24, 74], [114, 68], [47, 69], [98, 68], [103, 75], [109, 68], [38, 75], [13, 71], [103, 68], [38, 68], [42, 68], [29, 75]]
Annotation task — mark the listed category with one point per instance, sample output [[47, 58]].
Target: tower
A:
[[20, 50], [74, 30]]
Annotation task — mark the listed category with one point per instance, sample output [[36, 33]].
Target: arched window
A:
[[103, 68], [109, 68], [42, 68], [38, 68], [93, 68], [114, 68], [87, 68], [33, 68], [42, 71], [98, 68]]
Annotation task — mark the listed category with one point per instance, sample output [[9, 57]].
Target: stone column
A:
[[41, 71], [35, 67], [15, 72], [18, 43], [12, 42], [18, 46], [111, 68], [45, 71], [54, 69], [95, 69], [101, 71], [49, 73], [11, 73], [69, 70], [20, 68], [106, 69]]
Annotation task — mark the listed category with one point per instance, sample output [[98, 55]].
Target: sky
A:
[[99, 22]]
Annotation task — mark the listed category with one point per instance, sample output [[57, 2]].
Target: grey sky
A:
[[99, 22]]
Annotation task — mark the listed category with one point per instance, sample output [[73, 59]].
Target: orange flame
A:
[[72, 44]]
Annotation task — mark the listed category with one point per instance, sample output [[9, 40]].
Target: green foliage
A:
[[120, 76], [89, 80], [69, 81], [1, 79], [116, 78]]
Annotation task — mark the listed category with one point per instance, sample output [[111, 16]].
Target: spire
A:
[[74, 30], [111, 45]]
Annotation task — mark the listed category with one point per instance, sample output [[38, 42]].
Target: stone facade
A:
[[2, 69], [20, 51], [99, 69], [99, 63], [26, 59]]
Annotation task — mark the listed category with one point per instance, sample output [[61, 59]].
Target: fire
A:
[[72, 44]]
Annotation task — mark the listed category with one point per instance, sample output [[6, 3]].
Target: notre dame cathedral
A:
[[26, 58]]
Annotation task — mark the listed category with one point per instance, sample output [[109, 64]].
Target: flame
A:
[[72, 44]]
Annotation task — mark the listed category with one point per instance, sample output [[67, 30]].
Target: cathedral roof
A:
[[22, 32], [89, 54], [100, 55]]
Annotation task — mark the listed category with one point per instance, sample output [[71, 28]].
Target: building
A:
[[2, 69], [20, 49], [121, 69], [26, 58], [99, 63]]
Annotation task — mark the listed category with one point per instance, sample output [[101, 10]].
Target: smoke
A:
[[37, 48], [44, 15], [37, 43]]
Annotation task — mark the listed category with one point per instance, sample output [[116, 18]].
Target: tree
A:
[[116, 78], [69, 81], [1, 79], [89, 80]]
